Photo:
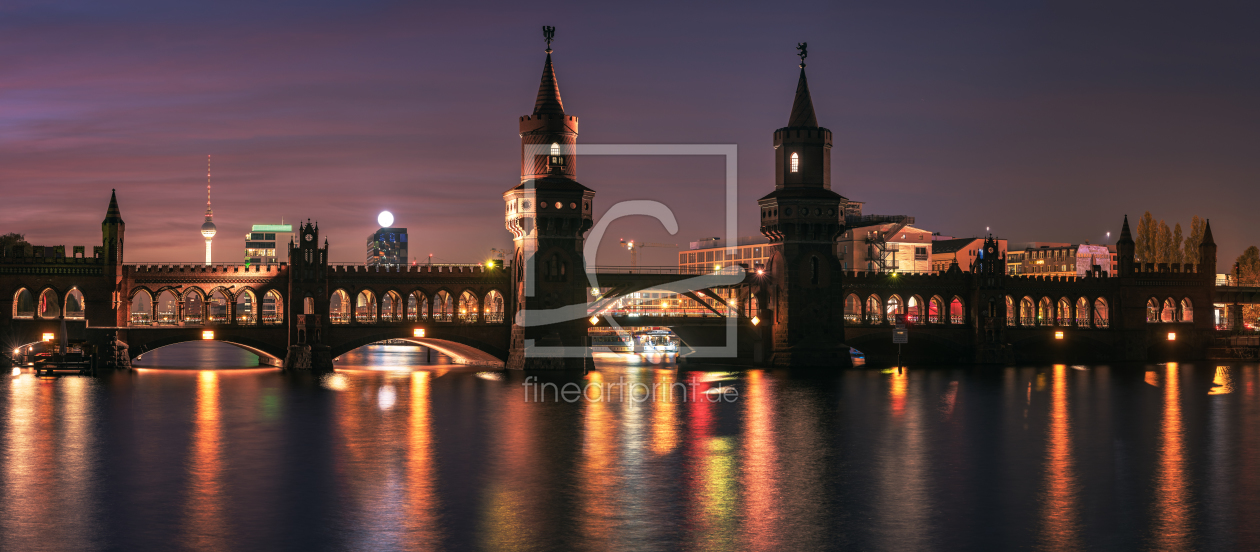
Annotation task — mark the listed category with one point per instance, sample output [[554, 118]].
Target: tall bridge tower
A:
[[548, 215], [801, 219]]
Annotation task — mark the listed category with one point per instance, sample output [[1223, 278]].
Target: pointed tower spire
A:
[[1207, 234], [803, 106], [113, 214], [548, 101], [1125, 235]]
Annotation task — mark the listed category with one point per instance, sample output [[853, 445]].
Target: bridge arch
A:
[[273, 355], [469, 306], [874, 309], [49, 304], [219, 305], [914, 309], [365, 307], [1187, 310], [1152, 310], [23, 303], [957, 311], [1045, 312], [194, 305], [141, 306], [272, 311], [852, 309], [392, 308], [1102, 313], [1064, 315], [443, 306], [440, 339], [246, 306], [1169, 312], [893, 307], [166, 306], [1027, 311], [339, 311], [1082, 312], [1012, 316], [494, 308], [936, 309], [417, 306], [73, 308]]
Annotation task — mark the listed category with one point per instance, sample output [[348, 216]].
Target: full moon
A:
[[385, 219]]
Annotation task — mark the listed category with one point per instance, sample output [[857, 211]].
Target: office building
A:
[[264, 240], [387, 247]]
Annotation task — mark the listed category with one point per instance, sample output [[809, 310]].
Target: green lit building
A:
[[264, 240]]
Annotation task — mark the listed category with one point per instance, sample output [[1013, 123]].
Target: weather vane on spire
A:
[[801, 46], [549, 33]]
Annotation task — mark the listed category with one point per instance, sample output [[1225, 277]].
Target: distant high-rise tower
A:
[[208, 230]]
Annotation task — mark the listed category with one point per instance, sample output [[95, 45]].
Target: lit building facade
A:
[[706, 255], [387, 247], [964, 250], [904, 248], [260, 242], [1060, 259]]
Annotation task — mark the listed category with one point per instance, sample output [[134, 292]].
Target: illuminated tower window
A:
[[796, 163], [555, 148]]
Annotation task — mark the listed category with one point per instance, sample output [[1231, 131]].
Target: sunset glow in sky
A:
[[1044, 121]]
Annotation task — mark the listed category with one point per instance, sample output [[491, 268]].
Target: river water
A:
[[400, 451]]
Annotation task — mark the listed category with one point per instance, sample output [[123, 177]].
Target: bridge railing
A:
[[734, 269]]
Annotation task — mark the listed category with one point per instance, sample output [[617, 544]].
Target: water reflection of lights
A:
[[1223, 383], [1059, 507], [1172, 508], [1152, 379], [335, 382], [709, 377], [17, 371], [491, 376], [386, 397]]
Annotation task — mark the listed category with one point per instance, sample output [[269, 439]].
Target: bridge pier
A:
[[309, 358]]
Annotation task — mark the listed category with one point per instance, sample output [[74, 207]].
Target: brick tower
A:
[[801, 218], [308, 302], [548, 214]]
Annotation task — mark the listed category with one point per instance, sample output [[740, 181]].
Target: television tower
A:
[[208, 230]]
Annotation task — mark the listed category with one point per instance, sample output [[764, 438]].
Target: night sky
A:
[[1044, 121]]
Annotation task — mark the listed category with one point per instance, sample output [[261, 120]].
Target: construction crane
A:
[[635, 247]]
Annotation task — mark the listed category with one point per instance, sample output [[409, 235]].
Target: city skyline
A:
[[963, 122]]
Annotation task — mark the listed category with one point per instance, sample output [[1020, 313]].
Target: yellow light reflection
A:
[[897, 391], [423, 505], [1223, 383], [665, 412], [599, 482], [760, 464], [204, 524], [1059, 524], [1172, 516]]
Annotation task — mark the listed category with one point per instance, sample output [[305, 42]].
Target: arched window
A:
[[795, 163], [555, 148], [413, 307], [217, 306], [1027, 312], [49, 304], [956, 314], [141, 308], [308, 304], [1012, 315], [1152, 310], [1169, 312], [1101, 314], [852, 309], [1187, 310], [421, 305], [74, 304], [1065, 312], [443, 307], [23, 304], [339, 307], [1082, 312], [468, 307], [194, 307], [365, 307], [167, 311], [272, 308], [494, 307], [936, 309], [246, 307], [391, 307], [874, 308], [1045, 312], [914, 309]]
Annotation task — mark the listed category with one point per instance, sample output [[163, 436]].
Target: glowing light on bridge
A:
[[1172, 336], [594, 320], [385, 219], [756, 320], [207, 334], [418, 332], [47, 337], [1058, 334]]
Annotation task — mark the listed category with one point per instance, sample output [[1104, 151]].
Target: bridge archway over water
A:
[[267, 354], [462, 349]]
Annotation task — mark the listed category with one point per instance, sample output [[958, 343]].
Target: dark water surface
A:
[[389, 454]]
